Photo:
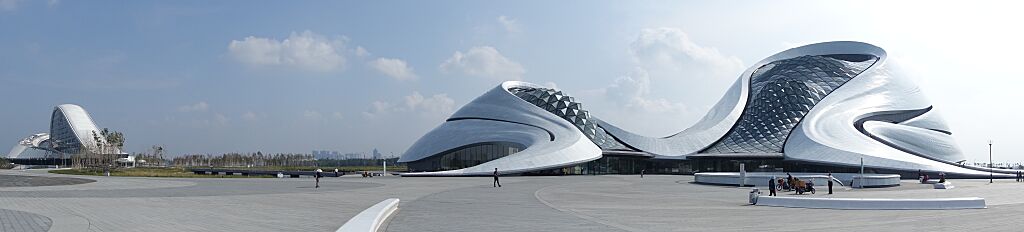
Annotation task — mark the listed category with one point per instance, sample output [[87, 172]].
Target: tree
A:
[[114, 138]]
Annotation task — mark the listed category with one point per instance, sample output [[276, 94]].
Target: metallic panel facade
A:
[[833, 103], [782, 92], [567, 108], [499, 116]]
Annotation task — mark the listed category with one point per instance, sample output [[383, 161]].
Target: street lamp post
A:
[[990, 162]]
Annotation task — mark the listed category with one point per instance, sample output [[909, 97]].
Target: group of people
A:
[[319, 173], [924, 178], [791, 183], [1020, 176]]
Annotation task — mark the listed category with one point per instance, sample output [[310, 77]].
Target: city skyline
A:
[[333, 77]]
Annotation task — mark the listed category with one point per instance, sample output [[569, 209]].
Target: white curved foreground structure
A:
[[874, 203], [815, 107], [71, 131], [372, 219], [529, 137]]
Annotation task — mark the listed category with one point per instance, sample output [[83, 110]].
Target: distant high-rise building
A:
[[325, 154], [376, 154], [353, 156]]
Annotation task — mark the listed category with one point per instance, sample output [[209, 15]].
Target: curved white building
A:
[[71, 131], [33, 147], [816, 108]]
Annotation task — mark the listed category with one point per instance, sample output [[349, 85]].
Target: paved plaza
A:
[[550, 203]]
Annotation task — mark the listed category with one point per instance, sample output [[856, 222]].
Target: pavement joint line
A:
[[536, 194], [570, 203]]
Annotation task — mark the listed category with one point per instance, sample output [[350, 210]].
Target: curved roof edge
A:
[[726, 113]]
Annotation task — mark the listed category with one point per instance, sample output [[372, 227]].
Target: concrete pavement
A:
[[563, 203]]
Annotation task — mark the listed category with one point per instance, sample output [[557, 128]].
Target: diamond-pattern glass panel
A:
[[567, 108], [781, 93]]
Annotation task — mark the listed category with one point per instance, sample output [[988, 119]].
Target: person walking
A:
[[318, 174], [642, 173], [829, 182], [496, 183], [789, 181], [336, 172], [771, 186]]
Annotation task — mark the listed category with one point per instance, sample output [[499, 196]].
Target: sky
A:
[[286, 76]]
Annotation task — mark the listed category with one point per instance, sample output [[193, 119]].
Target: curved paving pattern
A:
[[13, 220], [656, 203], [558, 203], [33, 181], [484, 208]]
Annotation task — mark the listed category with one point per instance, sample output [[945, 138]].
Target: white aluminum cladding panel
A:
[[880, 116], [500, 116], [828, 103]]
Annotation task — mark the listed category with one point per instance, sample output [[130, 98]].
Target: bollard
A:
[[754, 194]]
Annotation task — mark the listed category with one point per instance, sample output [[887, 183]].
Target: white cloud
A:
[[510, 24], [636, 106], [8, 4], [220, 118], [378, 107], [198, 107], [672, 49], [250, 116], [633, 91], [361, 52], [305, 51], [484, 62], [394, 68], [666, 57], [318, 116], [438, 105], [312, 114]]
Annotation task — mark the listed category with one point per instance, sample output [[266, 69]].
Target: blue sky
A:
[[223, 76]]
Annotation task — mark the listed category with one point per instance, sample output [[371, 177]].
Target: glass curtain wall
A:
[[466, 156], [621, 165]]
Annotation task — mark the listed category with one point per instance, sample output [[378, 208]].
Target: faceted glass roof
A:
[[781, 93], [567, 108]]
